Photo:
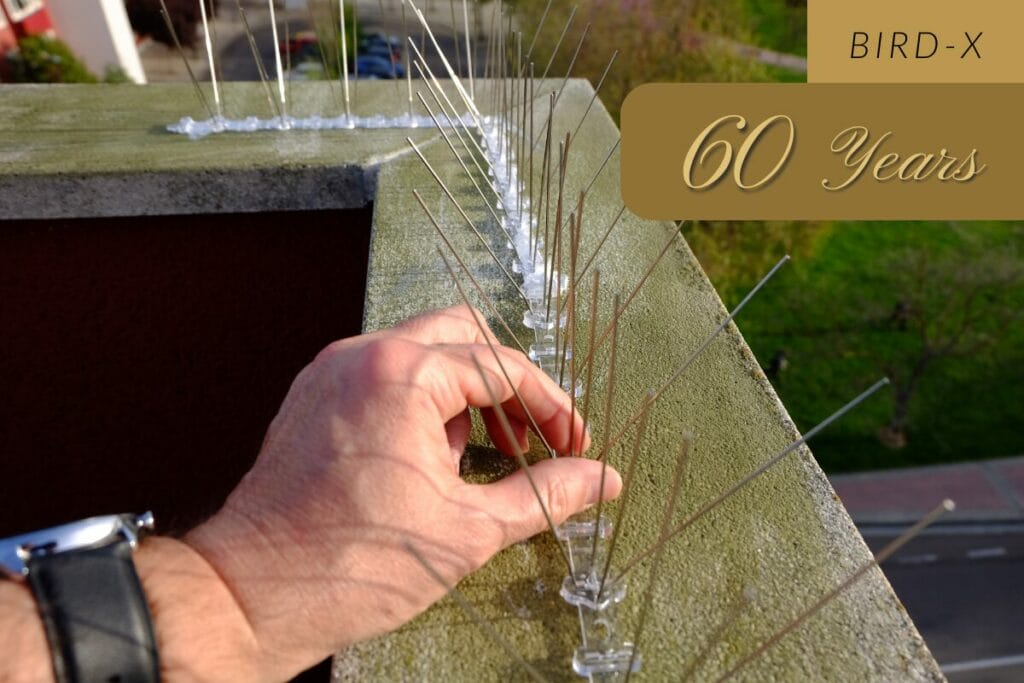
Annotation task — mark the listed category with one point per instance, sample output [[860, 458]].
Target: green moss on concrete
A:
[[60, 129], [104, 151]]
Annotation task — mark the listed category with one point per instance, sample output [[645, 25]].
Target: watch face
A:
[[16, 551]]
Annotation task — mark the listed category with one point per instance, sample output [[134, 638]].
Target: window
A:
[[20, 9]]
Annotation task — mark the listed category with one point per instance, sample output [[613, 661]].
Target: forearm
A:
[[24, 654], [201, 633], [309, 555]]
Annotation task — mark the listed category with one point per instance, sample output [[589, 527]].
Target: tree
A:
[[657, 40], [146, 19], [943, 306], [735, 254]]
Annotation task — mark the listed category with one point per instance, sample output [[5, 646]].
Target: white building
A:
[[98, 32]]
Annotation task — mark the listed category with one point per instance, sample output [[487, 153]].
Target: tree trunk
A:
[[894, 433]]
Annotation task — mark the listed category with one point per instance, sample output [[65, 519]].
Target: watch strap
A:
[[95, 615]]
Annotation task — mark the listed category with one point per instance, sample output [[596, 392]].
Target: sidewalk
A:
[[986, 490]]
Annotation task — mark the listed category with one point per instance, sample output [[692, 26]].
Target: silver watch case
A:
[[94, 532]]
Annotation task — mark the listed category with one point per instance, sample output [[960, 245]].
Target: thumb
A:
[[565, 486]]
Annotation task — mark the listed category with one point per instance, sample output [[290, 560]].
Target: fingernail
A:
[[612, 482], [586, 440], [616, 480]]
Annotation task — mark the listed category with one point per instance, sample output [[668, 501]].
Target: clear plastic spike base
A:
[[594, 662], [548, 357], [583, 588], [197, 129], [546, 350], [586, 592], [543, 320], [603, 656], [574, 529]]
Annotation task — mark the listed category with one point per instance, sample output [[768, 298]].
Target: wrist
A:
[[201, 631], [280, 612]]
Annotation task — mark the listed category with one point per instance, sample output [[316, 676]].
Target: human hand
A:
[[363, 458]]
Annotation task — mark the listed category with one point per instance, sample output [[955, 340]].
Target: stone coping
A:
[[103, 150]]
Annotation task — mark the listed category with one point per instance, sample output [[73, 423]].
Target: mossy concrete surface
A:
[[104, 150], [88, 151]]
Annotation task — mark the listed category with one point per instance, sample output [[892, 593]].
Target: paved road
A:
[[962, 585]]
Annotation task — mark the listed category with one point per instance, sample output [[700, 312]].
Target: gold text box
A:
[[915, 41], [959, 149]]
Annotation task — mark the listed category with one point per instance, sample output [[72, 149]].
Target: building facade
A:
[[97, 31]]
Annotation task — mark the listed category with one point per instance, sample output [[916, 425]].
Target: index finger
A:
[[461, 384], [453, 325]]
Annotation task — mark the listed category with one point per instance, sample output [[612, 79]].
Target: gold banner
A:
[[822, 151], [915, 41]]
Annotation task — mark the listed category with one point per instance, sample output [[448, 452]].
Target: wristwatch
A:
[[89, 596]]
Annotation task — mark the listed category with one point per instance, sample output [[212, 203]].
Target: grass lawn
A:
[[832, 309], [778, 25], [777, 74]]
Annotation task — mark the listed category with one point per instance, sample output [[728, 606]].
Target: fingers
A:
[[453, 325], [500, 438], [460, 383], [460, 332], [566, 486], [457, 430]]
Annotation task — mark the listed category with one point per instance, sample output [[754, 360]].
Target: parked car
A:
[[302, 46], [381, 45], [377, 50], [371, 66]]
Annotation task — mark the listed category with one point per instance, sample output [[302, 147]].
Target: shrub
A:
[[115, 75], [326, 24], [41, 59]]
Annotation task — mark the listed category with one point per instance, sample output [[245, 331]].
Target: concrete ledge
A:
[[103, 150], [787, 536], [174, 192]]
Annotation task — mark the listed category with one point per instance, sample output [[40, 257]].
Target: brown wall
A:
[[141, 359]]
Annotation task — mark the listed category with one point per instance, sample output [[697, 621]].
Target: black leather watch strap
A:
[[95, 614]]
